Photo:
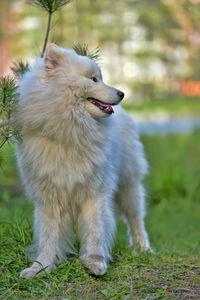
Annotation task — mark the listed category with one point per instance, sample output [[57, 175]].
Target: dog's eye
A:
[[94, 79]]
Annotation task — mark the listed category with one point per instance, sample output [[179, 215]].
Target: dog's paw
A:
[[142, 248], [147, 249], [141, 244], [96, 265], [36, 270], [30, 272], [145, 246]]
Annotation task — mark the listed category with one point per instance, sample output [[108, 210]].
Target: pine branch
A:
[[47, 34], [8, 92], [8, 101], [8, 138], [50, 6], [19, 68], [4, 141], [84, 51]]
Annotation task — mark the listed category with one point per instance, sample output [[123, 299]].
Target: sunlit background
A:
[[149, 48]]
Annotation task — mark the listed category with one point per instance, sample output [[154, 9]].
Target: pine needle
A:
[[83, 50], [8, 92], [8, 101], [19, 68], [49, 5]]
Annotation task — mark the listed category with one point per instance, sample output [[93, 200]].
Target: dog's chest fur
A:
[[60, 169]]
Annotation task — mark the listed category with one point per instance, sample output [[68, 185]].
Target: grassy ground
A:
[[172, 105], [173, 222]]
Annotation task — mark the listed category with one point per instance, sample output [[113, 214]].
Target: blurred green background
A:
[[149, 48]]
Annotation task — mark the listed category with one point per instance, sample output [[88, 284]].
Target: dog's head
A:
[[83, 76]]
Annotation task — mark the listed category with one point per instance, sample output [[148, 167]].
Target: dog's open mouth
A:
[[106, 108]]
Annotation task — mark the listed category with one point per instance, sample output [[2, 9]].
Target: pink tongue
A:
[[105, 105]]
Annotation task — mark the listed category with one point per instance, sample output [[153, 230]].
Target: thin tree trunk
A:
[[47, 34]]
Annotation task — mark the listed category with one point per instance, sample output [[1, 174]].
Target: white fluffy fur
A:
[[75, 164]]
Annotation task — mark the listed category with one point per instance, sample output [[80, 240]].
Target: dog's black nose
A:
[[120, 94]]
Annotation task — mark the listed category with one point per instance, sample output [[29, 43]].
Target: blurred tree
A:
[[156, 34], [187, 13], [162, 39], [172, 36], [6, 23]]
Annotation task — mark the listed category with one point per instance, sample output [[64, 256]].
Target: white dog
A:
[[78, 159]]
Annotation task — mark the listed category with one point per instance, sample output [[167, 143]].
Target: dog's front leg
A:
[[48, 241], [95, 238]]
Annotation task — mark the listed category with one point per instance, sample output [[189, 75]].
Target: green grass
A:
[[172, 105], [173, 222]]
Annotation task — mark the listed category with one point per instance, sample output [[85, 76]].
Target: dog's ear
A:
[[53, 57]]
